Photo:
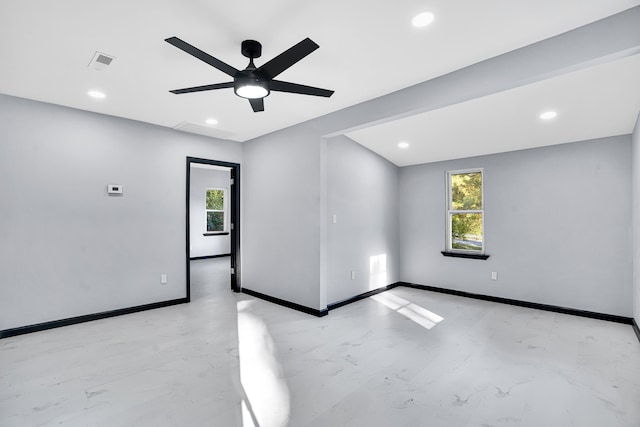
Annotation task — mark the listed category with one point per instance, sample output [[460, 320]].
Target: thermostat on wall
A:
[[114, 189]]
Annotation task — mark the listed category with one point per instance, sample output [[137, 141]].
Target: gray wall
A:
[[636, 220], [362, 191], [69, 249], [201, 180], [293, 182], [281, 216], [557, 226]]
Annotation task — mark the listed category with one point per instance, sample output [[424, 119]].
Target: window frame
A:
[[223, 210], [450, 212]]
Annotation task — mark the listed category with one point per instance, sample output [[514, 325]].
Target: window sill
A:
[[216, 233], [465, 255]]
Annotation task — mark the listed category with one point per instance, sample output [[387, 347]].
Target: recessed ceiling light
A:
[[403, 145], [96, 94], [423, 19], [211, 122], [548, 115]]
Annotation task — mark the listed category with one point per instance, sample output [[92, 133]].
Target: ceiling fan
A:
[[254, 83]]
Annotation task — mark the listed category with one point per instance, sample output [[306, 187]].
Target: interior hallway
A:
[[406, 357]]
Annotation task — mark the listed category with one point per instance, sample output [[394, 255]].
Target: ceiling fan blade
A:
[[257, 104], [203, 56], [280, 86], [289, 57], [202, 88]]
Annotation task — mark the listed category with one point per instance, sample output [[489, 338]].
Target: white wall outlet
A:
[[163, 279], [334, 219], [494, 275], [114, 189], [353, 275]]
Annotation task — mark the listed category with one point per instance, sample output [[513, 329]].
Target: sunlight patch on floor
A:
[[267, 401], [420, 315]]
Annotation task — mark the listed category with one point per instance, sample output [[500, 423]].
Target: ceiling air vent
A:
[[203, 130], [100, 61]]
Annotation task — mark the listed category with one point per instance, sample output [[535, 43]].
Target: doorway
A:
[[225, 222]]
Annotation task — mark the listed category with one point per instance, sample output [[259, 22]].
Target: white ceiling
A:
[[592, 103], [367, 49]]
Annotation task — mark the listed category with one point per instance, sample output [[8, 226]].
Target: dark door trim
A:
[[234, 213]]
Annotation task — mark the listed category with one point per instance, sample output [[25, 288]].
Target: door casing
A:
[[234, 214]]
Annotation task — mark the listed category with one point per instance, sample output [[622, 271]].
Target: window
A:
[[465, 212], [216, 203]]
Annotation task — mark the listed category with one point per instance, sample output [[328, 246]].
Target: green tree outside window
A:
[[215, 202], [466, 211]]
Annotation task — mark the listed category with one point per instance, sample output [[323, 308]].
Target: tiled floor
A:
[[404, 358], [209, 276]]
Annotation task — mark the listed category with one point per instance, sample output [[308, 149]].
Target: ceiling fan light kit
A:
[[254, 83], [251, 89]]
